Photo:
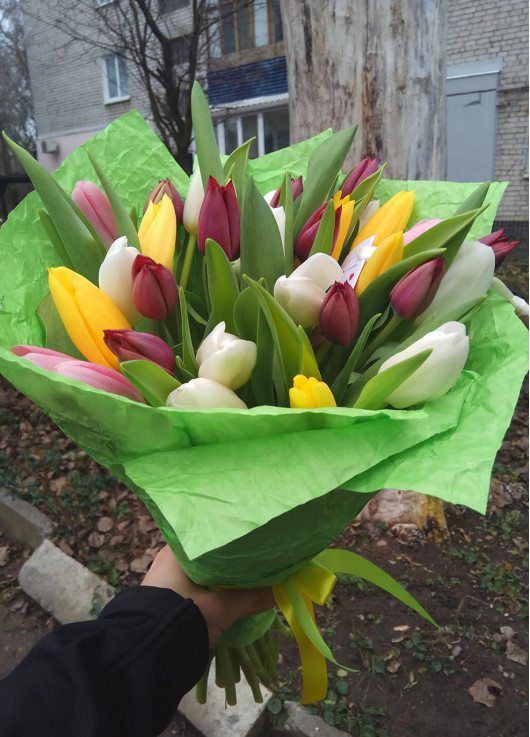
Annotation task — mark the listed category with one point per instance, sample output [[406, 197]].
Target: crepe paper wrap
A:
[[223, 484]]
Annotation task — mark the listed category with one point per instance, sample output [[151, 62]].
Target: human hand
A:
[[220, 609]]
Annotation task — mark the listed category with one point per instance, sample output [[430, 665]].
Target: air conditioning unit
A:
[[49, 146]]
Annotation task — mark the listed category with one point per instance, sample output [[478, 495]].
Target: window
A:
[[168, 6], [245, 24], [270, 128], [116, 78], [180, 50], [101, 3]]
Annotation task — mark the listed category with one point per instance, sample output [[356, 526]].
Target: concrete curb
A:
[[70, 592]]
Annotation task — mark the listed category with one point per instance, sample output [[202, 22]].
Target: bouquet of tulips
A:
[[269, 344]]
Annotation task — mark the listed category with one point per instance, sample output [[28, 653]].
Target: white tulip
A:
[[225, 358], [115, 278], [279, 216], [371, 208], [450, 348], [301, 294], [468, 277], [203, 394], [193, 202], [518, 303]]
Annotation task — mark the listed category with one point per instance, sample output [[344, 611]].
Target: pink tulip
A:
[[97, 209], [100, 377], [129, 345], [421, 227]]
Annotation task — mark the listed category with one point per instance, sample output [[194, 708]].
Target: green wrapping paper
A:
[[244, 497]]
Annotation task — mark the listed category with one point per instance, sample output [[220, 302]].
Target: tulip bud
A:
[[225, 358], [158, 232], [306, 237], [416, 290], [301, 294], [100, 377], [450, 348], [421, 227], [309, 393], [363, 170], [220, 218], [155, 290], [157, 193], [298, 188], [193, 202], [468, 278], [339, 314], [115, 277], [128, 345], [97, 209], [371, 208], [204, 394], [499, 243]]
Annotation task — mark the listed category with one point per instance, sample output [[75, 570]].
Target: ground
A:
[[467, 677]]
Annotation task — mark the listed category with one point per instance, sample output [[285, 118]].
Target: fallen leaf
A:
[[116, 540], [105, 524], [393, 666], [141, 564], [65, 547], [507, 632], [485, 691], [96, 539], [4, 555], [401, 628], [516, 653]]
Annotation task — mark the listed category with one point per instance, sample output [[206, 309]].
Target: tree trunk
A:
[[378, 63]]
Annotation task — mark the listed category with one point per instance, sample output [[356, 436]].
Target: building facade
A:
[[78, 89]]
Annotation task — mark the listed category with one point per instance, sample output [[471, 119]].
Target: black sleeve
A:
[[121, 675]]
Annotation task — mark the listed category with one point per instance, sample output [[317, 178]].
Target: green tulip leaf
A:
[[246, 314], [188, 353], [341, 382], [134, 216], [323, 242], [344, 561], [365, 189], [261, 244], [57, 339], [375, 392], [284, 332], [449, 234], [222, 285], [236, 166], [205, 140], [376, 296], [53, 235], [123, 219], [322, 169], [182, 371], [308, 363], [153, 383], [84, 248], [475, 199], [261, 377]]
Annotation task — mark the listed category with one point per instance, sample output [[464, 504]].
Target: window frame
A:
[[220, 43], [108, 100], [239, 111]]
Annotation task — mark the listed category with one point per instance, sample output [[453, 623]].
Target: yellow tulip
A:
[[392, 217], [345, 221], [386, 254], [309, 393], [86, 312], [158, 232]]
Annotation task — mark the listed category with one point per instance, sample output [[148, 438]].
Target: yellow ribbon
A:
[[312, 584]]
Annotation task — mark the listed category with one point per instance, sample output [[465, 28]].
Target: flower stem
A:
[[382, 336], [188, 260]]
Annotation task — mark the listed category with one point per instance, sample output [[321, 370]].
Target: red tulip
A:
[[339, 314], [155, 290], [306, 237], [165, 187], [128, 345], [416, 290], [499, 243], [220, 218], [362, 171], [298, 188]]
